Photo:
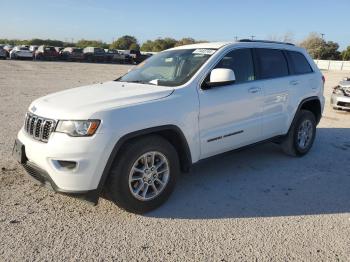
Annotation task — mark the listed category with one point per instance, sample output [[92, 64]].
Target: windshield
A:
[[169, 68], [24, 48]]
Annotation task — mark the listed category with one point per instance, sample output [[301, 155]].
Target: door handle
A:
[[254, 90], [294, 82]]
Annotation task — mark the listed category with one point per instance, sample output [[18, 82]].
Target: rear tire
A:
[[138, 181], [301, 134]]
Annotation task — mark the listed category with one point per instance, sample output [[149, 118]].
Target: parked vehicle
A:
[[3, 54], [33, 48], [131, 137], [8, 49], [134, 56], [94, 54], [21, 52], [58, 49], [114, 56], [340, 98], [72, 54], [46, 53]]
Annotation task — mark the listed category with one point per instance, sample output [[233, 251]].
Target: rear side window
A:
[[241, 62], [298, 63], [272, 63]]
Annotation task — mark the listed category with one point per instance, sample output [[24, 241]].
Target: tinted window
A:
[[298, 63], [241, 62], [272, 63]]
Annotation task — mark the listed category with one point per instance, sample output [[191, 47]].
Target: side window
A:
[[272, 63], [298, 63], [241, 62]]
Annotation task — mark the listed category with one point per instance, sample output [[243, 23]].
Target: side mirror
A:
[[220, 77]]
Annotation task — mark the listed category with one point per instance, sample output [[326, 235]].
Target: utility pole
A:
[[322, 35], [252, 37], [236, 38]]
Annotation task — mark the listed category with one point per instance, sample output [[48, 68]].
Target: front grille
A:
[[39, 128], [344, 104]]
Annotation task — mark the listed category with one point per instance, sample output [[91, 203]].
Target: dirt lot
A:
[[255, 204]]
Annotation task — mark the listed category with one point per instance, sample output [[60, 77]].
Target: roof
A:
[[244, 42], [210, 45]]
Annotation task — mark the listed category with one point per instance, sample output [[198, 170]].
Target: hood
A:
[[82, 102]]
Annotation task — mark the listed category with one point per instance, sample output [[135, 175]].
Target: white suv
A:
[[129, 138]]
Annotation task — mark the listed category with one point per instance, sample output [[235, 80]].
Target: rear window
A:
[[272, 63], [298, 63]]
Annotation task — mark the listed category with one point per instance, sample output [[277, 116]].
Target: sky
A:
[[219, 20]]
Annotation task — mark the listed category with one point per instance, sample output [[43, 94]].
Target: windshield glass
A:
[[169, 68]]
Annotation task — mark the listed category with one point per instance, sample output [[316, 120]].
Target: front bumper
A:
[[43, 177], [89, 153], [340, 102], [24, 55]]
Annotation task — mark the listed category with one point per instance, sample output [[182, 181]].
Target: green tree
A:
[[125, 42], [49, 42], [147, 46], [186, 41], [134, 46], [159, 44], [346, 54], [85, 43], [318, 48]]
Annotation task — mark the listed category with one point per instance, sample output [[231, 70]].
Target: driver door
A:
[[230, 115]]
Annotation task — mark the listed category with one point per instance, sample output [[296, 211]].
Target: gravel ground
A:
[[255, 204]]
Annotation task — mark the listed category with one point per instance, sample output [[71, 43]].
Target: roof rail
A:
[[265, 41]]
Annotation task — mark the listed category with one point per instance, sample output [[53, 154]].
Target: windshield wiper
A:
[[139, 82]]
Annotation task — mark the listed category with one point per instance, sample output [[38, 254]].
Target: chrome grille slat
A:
[[39, 128]]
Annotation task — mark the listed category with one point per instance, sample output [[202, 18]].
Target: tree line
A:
[[317, 47]]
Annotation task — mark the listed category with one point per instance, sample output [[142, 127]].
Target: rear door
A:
[[304, 83], [273, 73]]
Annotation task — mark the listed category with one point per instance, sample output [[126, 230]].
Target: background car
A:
[[340, 98], [72, 54], [94, 54], [21, 52], [8, 49], [33, 48], [3, 53], [114, 56], [46, 53]]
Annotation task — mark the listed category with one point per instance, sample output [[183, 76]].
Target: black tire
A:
[[117, 185], [290, 144]]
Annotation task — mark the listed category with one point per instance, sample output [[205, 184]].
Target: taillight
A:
[[323, 79]]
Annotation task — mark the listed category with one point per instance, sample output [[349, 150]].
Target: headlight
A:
[[78, 127]]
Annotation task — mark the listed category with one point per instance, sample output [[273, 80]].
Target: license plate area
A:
[[19, 152]]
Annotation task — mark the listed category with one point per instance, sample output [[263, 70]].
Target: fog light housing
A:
[[64, 165]]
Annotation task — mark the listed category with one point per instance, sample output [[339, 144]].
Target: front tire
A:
[[301, 135], [143, 175]]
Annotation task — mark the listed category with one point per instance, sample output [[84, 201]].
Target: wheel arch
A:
[[313, 104], [171, 133]]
